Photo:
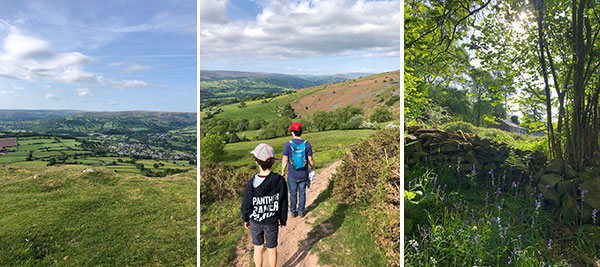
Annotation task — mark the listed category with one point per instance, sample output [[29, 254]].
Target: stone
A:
[[568, 210], [489, 166], [428, 130], [419, 154], [555, 166], [414, 146], [568, 186], [409, 138], [536, 177], [549, 194], [450, 148], [429, 135], [592, 198], [550, 179], [570, 172]]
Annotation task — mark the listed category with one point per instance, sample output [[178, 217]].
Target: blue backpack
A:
[[298, 158]]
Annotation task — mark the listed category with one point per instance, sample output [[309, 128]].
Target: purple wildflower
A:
[[530, 178], [476, 237], [550, 244], [498, 191], [594, 212], [474, 171], [548, 186], [583, 193], [435, 179], [445, 185], [519, 237]]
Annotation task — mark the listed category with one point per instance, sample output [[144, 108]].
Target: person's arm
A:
[[247, 205], [284, 204], [284, 162], [311, 162]]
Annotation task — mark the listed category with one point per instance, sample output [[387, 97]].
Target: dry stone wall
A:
[[574, 195]]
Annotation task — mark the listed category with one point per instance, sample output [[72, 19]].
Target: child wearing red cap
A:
[[297, 153], [264, 205]]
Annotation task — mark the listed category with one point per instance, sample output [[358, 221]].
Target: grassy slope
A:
[[59, 215], [346, 93], [239, 153]]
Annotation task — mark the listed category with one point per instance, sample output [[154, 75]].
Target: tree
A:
[[212, 148], [514, 119], [156, 165], [381, 114], [353, 123], [323, 120], [234, 138], [288, 111], [555, 59]]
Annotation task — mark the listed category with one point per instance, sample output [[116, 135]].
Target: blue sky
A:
[[300, 37], [98, 55]]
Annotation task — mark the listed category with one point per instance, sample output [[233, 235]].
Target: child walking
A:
[[264, 206]]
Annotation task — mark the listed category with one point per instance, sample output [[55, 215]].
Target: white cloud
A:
[[116, 64], [51, 96], [112, 103], [18, 88], [213, 11], [29, 58], [136, 67], [132, 84], [307, 28], [84, 92]]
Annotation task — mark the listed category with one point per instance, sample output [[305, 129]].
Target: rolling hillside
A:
[[367, 92], [223, 85], [33, 114]]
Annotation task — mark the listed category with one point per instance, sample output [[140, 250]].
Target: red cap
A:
[[296, 126]]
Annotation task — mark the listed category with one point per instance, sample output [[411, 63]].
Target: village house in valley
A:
[[509, 126]]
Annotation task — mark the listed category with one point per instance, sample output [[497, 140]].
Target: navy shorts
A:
[[260, 232]]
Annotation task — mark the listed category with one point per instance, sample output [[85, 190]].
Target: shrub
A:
[[370, 175], [353, 123], [381, 114], [275, 128], [392, 100], [459, 125], [222, 181], [212, 149]]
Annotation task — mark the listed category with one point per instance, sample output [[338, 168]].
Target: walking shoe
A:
[[301, 214], [294, 214]]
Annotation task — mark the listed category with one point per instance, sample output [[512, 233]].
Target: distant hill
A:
[[223, 85], [368, 92], [33, 114], [83, 123]]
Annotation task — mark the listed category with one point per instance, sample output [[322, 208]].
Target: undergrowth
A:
[[487, 219], [369, 179]]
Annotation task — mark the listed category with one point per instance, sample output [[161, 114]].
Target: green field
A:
[[44, 149], [323, 144], [258, 109], [61, 216]]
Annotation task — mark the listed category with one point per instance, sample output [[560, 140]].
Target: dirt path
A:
[[290, 252]]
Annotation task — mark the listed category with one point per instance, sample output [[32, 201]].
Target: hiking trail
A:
[[293, 248]]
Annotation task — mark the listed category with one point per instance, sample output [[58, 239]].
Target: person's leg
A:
[[293, 186], [301, 197], [258, 257], [271, 234], [272, 253], [258, 239]]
